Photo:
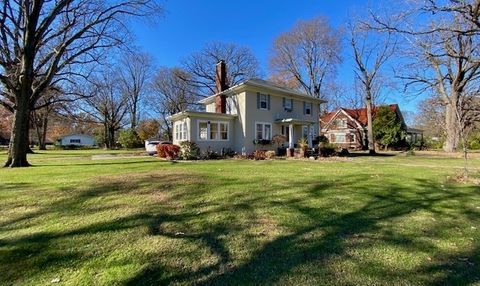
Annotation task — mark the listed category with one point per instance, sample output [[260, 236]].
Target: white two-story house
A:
[[254, 111]]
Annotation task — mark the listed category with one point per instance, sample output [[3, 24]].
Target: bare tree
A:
[[171, 94], [444, 53], [241, 63], [39, 119], [307, 55], [370, 53], [108, 105], [135, 75], [5, 124], [45, 43], [430, 117]]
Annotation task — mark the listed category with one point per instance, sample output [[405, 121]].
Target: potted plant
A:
[[303, 144], [279, 140]]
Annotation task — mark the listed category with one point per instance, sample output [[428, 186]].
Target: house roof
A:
[[414, 130], [208, 115], [255, 82], [76, 134], [359, 114]]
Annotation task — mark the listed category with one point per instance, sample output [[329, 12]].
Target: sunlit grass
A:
[[352, 221]]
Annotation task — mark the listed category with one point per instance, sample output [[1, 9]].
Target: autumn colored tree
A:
[[148, 128]]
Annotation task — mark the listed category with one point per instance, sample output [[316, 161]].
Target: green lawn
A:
[[132, 221]]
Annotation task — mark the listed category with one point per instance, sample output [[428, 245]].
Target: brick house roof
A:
[[360, 114]]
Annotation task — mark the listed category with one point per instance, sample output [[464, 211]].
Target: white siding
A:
[[78, 140]]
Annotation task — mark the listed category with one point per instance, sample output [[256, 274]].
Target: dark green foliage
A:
[[388, 129], [129, 139], [189, 150], [327, 149], [320, 139], [474, 141]]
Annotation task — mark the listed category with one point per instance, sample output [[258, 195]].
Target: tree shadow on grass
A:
[[325, 235], [366, 154], [280, 257], [33, 252]]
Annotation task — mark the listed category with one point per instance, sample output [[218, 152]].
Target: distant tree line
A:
[[69, 66]]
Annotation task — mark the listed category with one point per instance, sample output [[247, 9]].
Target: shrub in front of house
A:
[[210, 155], [322, 139], [327, 149], [168, 151], [260, 155], [189, 150], [270, 154]]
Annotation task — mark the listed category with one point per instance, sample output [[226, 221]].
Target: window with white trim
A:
[[180, 130], [223, 130], [341, 123], [338, 138], [305, 131], [75, 141], [307, 110], [202, 130], [213, 130], [263, 101], [263, 131], [287, 104]]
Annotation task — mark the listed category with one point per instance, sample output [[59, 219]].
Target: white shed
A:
[[78, 140]]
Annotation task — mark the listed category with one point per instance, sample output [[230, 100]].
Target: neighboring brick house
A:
[[347, 128]]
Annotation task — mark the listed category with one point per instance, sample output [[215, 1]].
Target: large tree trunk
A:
[[18, 148], [41, 122], [133, 119], [42, 140], [371, 143], [452, 129], [111, 138]]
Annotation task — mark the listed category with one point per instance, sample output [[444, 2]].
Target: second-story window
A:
[[263, 101], [287, 104], [307, 108], [341, 123]]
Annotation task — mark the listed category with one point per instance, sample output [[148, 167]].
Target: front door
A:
[[286, 132]]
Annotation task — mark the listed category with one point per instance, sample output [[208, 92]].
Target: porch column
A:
[[309, 136], [290, 135]]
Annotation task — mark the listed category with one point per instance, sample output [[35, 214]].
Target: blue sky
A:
[[187, 25]]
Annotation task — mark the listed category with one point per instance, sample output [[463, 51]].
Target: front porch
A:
[[295, 129]]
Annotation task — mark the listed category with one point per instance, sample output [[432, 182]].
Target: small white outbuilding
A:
[[77, 140]]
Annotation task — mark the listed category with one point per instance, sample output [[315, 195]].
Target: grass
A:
[[141, 221]]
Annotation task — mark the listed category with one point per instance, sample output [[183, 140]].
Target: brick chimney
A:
[[221, 84]]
